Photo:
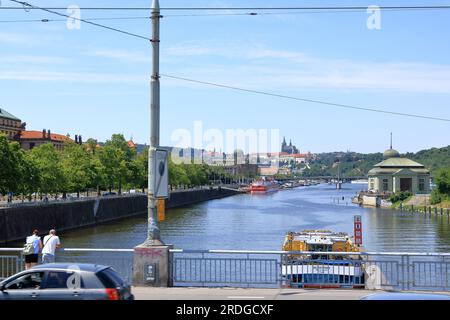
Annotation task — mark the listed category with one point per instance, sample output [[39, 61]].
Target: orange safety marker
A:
[[161, 210]]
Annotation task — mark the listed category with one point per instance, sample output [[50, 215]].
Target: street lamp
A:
[[153, 233]]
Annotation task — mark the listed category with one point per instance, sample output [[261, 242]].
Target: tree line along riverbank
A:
[[114, 165]]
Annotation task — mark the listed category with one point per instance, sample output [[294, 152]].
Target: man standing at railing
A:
[[51, 243]]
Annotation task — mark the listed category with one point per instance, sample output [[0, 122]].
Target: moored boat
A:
[[313, 264], [264, 186]]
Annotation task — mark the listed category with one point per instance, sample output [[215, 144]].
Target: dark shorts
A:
[[32, 258]]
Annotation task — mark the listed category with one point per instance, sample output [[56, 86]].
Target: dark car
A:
[[406, 296], [65, 281]]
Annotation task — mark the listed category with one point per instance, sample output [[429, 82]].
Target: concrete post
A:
[[151, 266]]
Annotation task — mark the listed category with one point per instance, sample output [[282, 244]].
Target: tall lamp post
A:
[[151, 259], [153, 233]]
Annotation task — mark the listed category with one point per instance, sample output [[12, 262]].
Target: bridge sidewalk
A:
[[194, 294]]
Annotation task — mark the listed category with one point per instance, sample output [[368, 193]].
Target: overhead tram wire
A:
[[27, 5], [86, 19], [294, 12], [418, 7], [332, 104], [217, 14]]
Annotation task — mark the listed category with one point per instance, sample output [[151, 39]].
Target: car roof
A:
[[71, 266]]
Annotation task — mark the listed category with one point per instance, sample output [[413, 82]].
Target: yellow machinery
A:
[[319, 241]]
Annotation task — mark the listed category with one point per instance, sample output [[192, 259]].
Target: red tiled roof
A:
[[299, 155], [38, 135], [131, 144]]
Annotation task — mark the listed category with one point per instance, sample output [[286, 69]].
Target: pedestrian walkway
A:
[[198, 294]]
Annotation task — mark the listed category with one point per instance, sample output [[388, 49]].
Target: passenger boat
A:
[[360, 181], [317, 268], [264, 186]]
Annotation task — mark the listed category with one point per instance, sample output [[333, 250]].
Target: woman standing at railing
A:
[[31, 250]]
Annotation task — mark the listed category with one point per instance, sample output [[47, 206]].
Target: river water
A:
[[260, 222]]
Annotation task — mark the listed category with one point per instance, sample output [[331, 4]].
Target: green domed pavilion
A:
[[396, 174]]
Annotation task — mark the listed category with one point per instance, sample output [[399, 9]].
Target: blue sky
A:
[[95, 82]]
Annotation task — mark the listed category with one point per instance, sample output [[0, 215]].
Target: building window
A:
[[372, 185], [421, 184], [385, 184]]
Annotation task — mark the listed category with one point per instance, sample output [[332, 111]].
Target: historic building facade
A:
[[31, 139], [15, 129], [396, 174], [10, 125]]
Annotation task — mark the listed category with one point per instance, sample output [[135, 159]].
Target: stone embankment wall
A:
[[17, 222]]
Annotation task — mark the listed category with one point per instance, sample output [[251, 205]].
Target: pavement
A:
[[202, 294]]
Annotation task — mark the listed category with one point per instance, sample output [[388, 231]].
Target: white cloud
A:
[[24, 39], [124, 55], [14, 38], [33, 59], [76, 77], [262, 68]]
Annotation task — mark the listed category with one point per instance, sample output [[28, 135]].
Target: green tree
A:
[[442, 179], [30, 176], [139, 170], [48, 162], [116, 157], [76, 163], [9, 165], [91, 145], [177, 174], [442, 191]]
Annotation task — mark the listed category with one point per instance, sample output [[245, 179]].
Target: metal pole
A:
[[153, 227]]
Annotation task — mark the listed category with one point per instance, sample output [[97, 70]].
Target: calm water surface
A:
[[260, 222]]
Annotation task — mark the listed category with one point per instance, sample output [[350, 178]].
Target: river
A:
[[260, 222]]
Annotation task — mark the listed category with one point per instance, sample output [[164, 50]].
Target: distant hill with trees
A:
[[354, 164]]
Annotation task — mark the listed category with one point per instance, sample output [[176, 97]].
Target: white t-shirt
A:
[[50, 243]]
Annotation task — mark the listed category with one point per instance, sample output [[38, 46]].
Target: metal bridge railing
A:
[[372, 270], [12, 260], [271, 269]]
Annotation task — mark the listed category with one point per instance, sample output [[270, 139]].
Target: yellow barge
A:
[[315, 265]]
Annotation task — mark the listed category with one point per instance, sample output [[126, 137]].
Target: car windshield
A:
[[27, 281]]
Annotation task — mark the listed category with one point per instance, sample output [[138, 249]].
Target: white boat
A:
[[360, 181]]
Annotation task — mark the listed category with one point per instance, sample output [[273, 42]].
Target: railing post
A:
[[407, 273], [444, 265], [170, 282]]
